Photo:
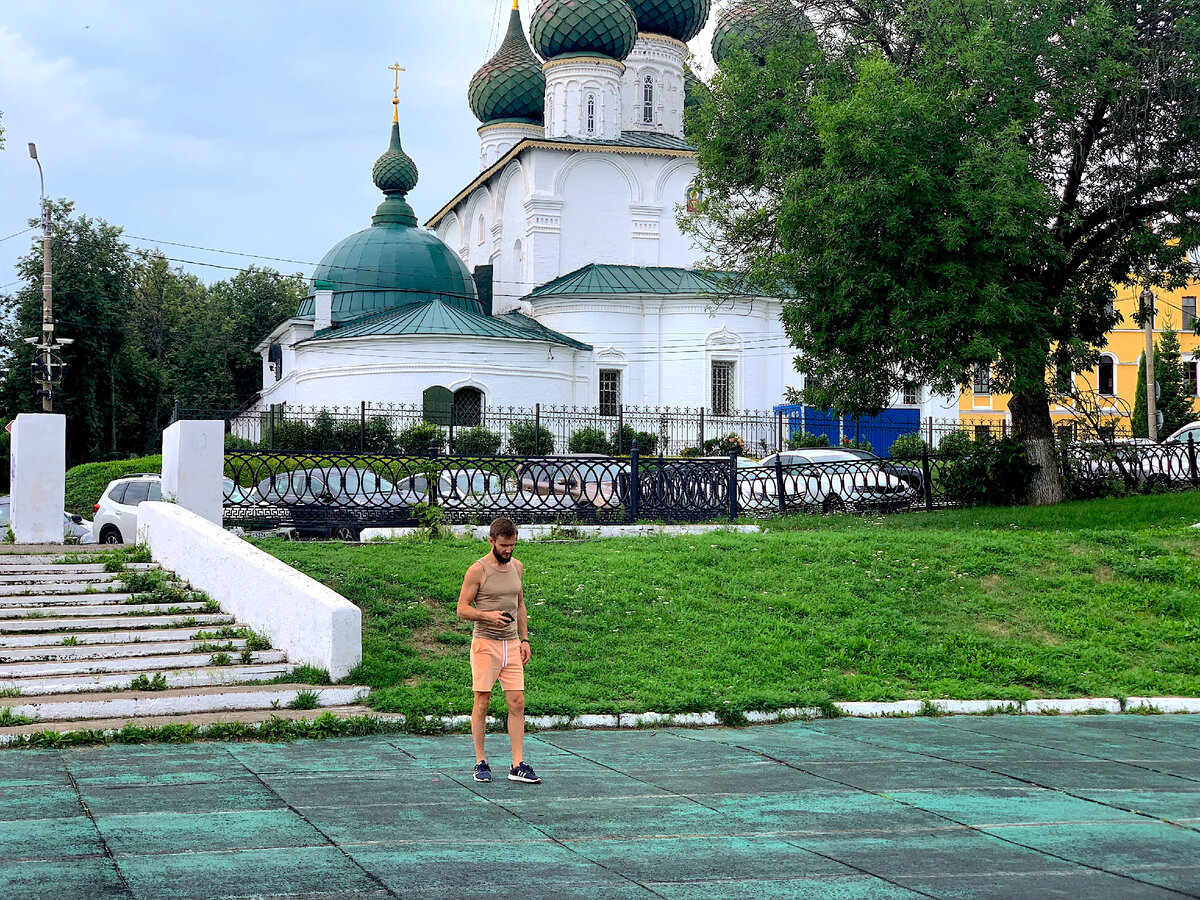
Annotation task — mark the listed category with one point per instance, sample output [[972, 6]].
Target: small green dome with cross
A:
[[605, 28]]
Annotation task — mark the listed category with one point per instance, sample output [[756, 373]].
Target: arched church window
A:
[[482, 231], [648, 100], [518, 262], [468, 406], [591, 114]]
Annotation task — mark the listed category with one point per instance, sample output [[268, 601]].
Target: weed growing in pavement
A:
[[930, 710], [305, 700], [143, 683], [35, 614], [220, 659], [209, 647], [246, 656], [70, 641], [10, 692], [304, 675], [8, 718], [1144, 709], [257, 640]]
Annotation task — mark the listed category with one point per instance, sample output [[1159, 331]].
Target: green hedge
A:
[[87, 482]]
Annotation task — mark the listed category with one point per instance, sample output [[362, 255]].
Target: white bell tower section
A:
[[583, 98], [652, 88]]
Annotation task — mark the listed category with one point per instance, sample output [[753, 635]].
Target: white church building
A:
[[559, 274]]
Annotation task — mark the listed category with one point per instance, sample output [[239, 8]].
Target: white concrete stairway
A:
[[79, 644]]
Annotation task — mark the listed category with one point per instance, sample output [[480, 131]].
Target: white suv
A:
[[116, 513]]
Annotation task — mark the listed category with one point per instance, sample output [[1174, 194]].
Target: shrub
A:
[[416, 439], [954, 444], [623, 438], [857, 444], [477, 441], [691, 452], [294, 435], [85, 483], [907, 446], [723, 446], [589, 440], [526, 438], [994, 473], [235, 443], [378, 436], [802, 439]]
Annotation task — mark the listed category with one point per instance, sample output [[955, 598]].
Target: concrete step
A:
[[60, 587], [88, 638], [7, 568], [96, 599], [15, 671], [129, 609], [25, 552], [176, 678], [72, 624], [10, 578], [59, 651]]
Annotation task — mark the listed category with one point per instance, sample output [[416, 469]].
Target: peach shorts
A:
[[492, 659]]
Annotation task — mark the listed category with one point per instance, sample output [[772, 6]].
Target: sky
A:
[[239, 126]]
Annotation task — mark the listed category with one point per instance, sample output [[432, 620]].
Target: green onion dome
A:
[[753, 25], [510, 87], [680, 19], [694, 89], [393, 263], [584, 28]]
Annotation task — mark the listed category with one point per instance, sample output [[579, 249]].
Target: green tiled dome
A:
[[510, 87], [392, 263], [753, 25], [584, 28], [693, 89], [680, 19]]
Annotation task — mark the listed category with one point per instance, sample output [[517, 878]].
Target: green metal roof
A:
[[600, 279], [575, 27], [680, 19], [646, 140], [435, 318]]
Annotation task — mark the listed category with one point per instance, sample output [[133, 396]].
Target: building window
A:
[[591, 114], [1106, 377], [983, 380], [1191, 373], [983, 432], [912, 393], [1189, 313], [722, 388], [648, 100], [482, 232], [467, 408], [1066, 432], [610, 392]]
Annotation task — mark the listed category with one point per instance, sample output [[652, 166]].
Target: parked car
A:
[[76, 529], [1191, 429], [836, 480], [116, 510], [592, 480], [337, 502], [1138, 462]]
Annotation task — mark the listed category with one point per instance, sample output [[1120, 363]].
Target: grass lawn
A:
[[1085, 599]]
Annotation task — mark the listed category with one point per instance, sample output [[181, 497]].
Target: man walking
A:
[[492, 598]]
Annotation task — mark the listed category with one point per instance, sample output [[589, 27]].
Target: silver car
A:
[[834, 480]]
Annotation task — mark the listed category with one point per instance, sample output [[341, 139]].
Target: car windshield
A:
[[354, 481], [826, 456]]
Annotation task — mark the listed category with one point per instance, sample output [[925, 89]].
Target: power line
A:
[[16, 234]]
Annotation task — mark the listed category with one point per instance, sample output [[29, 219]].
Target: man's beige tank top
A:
[[499, 591]]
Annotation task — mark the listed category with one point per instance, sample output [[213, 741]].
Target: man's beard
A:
[[501, 557]]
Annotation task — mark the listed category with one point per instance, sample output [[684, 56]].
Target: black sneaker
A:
[[522, 771], [482, 772]]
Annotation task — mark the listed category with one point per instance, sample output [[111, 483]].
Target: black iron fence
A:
[[337, 494], [410, 428]]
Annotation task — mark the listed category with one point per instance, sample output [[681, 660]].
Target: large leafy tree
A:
[[948, 184]]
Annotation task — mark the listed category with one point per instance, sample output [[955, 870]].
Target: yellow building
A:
[[1114, 381]]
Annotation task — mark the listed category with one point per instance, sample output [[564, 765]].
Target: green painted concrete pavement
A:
[[1003, 807]]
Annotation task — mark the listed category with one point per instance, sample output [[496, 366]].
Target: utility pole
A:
[[49, 373], [1148, 325]]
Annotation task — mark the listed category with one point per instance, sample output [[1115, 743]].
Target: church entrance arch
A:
[[437, 405]]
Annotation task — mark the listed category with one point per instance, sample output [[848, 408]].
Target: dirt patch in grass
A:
[[1021, 631], [992, 582], [1103, 573]]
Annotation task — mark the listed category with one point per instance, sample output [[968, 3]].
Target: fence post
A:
[[733, 488], [537, 429], [1192, 460], [930, 441], [177, 412], [926, 479], [779, 431], [779, 484], [701, 444], [635, 484], [432, 477], [271, 429], [621, 428], [362, 427]]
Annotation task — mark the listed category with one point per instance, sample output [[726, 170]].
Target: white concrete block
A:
[[315, 625], [594, 722], [1166, 704], [193, 467], [867, 710], [976, 707], [706, 718], [1072, 706], [38, 466], [642, 720]]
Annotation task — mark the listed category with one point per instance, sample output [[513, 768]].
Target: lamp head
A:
[[32, 150]]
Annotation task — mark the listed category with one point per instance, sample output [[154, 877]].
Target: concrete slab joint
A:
[[314, 625]]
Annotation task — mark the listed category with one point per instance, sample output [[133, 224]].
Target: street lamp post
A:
[[46, 377], [1148, 325]]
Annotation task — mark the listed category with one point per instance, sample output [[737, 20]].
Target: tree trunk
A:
[[1033, 428]]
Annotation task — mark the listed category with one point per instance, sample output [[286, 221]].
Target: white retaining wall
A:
[[314, 625]]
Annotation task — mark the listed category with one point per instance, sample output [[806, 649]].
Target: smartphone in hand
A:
[[507, 616]]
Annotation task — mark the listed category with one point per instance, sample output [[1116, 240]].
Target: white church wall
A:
[[595, 226], [477, 222], [671, 192], [511, 281]]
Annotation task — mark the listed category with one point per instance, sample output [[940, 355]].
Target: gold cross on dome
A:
[[396, 92]]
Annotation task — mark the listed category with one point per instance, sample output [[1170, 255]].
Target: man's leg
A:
[[479, 722], [516, 723]]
